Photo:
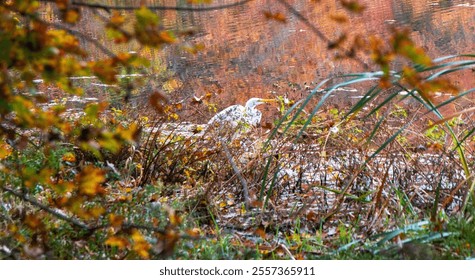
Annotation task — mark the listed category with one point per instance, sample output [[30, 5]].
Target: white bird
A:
[[238, 114]]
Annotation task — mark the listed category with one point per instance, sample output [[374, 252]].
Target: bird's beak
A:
[[268, 100]]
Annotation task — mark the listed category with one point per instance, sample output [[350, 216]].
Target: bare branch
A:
[[47, 209], [238, 174], [96, 43], [101, 47], [156, 8], [317, 31], [79, 223]]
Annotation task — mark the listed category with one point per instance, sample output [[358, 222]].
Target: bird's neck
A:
[[251, 109]]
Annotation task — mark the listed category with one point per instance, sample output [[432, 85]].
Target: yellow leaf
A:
[[137, 236], [95, 212], [198, 129], [129, 134], [90, 180], [69, 157], [222, 204], [117, 241], [5, 150], [141, 246]]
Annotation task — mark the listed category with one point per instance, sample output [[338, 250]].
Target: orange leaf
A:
[[167, 37], [33, 222], [339, 18], [117, 19], [71, 15], [62, 4], [158, 101], [69, 157], [116, 220], [195, 232], [275, 16], [261, 232]]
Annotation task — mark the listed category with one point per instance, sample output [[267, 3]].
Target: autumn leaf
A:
[[167, 37], [275, 16], [261, 232], [403, 45], [33, 222], [95, 212], [194, 49], [117, 241], [174, 218], [158, 101], [129, 134], [62, 186], [141, 246], [62, 4], [148, 31], [257, 203], [145, 17], [171, 85], [69, 157], [197, 129], [5, 150], [116, 220], [118, 36], [339, 18], [71, 15], [105, 70], [194, 232], [90, 180], [352, 6], [312, 216], [117, 19]]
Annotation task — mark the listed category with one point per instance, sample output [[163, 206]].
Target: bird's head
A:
[[253, 102]]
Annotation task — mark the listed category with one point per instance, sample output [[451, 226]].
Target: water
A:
[[246, 55]]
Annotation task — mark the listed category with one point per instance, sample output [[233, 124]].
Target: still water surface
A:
[[247, 55]]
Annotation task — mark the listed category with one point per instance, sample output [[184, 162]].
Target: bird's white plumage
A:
[[238, 114]]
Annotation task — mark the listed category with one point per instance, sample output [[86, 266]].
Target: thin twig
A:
[[80, 224], [93, 41], [317, 31], [45, 208], [238, 174], [287, 251], [101, 47], [156, 8]]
